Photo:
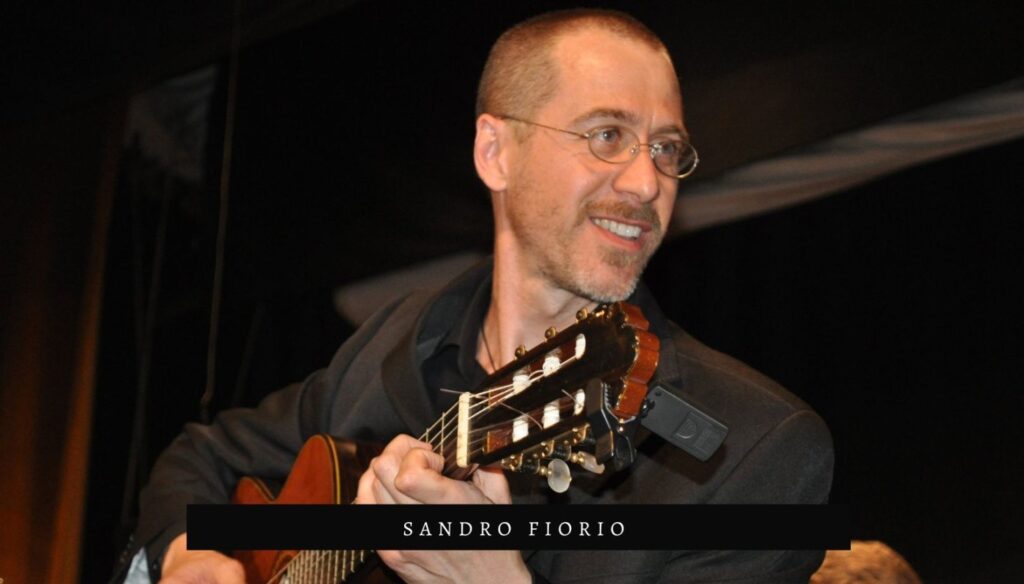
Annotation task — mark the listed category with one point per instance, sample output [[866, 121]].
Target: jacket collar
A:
[[401, 368]]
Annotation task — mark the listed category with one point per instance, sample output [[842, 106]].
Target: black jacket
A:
[[777, 450]]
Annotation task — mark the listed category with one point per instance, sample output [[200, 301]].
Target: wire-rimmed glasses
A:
[[618, 144]]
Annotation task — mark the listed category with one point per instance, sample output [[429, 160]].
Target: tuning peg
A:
[[587, 461], [581, 314], [552, 331], [558, 475]]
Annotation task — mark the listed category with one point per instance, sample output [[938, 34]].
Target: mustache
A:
[[623, 210]]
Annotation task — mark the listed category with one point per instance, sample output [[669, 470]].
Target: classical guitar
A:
[[567, 400]]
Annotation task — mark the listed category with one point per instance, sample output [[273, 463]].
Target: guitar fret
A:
[[441, 445]]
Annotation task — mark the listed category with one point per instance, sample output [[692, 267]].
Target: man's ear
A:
[[490, 152]]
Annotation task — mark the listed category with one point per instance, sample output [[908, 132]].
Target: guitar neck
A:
[[442, 436]]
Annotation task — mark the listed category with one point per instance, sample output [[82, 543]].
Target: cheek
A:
[[550, 199], [554, 189], [664, 205]]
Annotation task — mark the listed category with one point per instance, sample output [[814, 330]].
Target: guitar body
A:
[[326, 472]]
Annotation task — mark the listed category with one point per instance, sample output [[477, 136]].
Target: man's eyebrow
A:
[[672, 129], [605, 113]]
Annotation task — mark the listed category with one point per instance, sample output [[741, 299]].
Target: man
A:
[[581, 142]]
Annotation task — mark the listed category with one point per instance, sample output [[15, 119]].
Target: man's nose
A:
[[639, 177]]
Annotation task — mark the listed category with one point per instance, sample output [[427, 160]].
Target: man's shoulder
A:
[[713, 372], [777, 450], [755, 407]]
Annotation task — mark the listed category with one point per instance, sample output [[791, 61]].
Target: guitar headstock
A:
[[543, 406]]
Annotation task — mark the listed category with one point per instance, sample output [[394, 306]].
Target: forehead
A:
[[599, 70]]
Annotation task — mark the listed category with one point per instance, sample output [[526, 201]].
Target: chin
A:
[[606, 285], [602, 277]]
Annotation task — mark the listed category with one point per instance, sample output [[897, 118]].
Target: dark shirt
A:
[[453, 365]]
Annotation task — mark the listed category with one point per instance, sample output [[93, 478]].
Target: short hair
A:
[[867, 562], [520, 74]]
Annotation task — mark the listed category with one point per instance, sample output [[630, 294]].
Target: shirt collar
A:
[[466, 330], [458, 319]]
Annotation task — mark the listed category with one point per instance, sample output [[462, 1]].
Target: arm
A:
[[183, 566], [204, 463], [790, 464]]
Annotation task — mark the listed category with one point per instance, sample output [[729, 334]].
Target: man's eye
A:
[[671, 148], [609, 135]]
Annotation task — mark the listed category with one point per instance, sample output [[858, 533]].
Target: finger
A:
[[419, 476], [387, 466], [364, 492], [385, 469], [371, 489], [381, 494], [492, 483], [410, 566], [402, 444]]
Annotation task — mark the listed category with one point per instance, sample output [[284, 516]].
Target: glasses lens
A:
[[675, 158], [612, 143]]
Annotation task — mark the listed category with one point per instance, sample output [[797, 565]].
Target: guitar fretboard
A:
[[322, 567]]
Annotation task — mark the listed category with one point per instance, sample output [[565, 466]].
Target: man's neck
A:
[[524, 304]]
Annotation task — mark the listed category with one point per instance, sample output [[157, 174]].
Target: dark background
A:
[[892, 308]]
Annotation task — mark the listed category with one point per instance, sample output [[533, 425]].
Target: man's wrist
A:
[[169, 555]]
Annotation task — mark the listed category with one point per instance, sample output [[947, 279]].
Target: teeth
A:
[[620, 229]]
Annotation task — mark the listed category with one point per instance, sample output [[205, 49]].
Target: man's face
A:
[[585, 225]]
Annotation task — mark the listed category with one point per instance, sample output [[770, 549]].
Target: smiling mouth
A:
[[630, 232]]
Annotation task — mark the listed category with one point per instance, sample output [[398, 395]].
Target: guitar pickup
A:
[[682, 424]]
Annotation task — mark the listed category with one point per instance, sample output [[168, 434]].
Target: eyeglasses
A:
[[616, 144]]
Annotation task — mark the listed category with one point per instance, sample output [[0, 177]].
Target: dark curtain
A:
[[58, 175]]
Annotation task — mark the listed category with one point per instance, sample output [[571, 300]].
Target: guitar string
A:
[[489, 400], [481, 434], [443, 438], [475, 434], [451, 465], [503, 391]]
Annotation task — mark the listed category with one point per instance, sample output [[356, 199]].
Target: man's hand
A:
[[409, 472], [184, 566]]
